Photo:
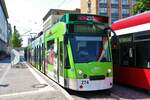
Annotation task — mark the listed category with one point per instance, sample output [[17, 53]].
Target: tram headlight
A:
[[80, 72], [109, 70]]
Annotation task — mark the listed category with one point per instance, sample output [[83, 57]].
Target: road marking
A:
[[25, 93], [39, 78], [4, 75], [41, 81], [115, 96]]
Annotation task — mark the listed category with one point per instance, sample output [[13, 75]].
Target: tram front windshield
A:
[[89, 49]]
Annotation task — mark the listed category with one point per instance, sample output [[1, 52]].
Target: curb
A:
[[67, 95]]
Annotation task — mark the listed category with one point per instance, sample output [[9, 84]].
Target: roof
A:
[[2, 3], [135, 20], [59, 12]]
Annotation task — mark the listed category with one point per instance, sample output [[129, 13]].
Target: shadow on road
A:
[[128, 92], [91, 94]]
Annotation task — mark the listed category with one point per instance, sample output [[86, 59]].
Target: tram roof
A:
[[135, 20]]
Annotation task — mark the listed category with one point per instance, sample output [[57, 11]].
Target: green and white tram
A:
[[75, 53]]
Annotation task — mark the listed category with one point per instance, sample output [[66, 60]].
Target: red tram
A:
[[131, 54]]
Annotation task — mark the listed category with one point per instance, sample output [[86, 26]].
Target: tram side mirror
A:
[[112, 34], [109, 31]]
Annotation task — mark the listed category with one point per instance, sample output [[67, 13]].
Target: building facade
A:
[[9, 36], [53, 15], [115, 9], [4, 29]]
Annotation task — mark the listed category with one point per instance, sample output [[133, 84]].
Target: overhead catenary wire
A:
[[61, 3]]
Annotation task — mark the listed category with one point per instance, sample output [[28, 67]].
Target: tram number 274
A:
[[84, 82]]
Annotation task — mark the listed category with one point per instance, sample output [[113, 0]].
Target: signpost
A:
[[15, 57]]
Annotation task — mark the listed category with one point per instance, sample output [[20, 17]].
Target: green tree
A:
[[16, 39], [141, 6]]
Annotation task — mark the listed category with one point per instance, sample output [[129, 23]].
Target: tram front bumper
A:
[[90, 85]]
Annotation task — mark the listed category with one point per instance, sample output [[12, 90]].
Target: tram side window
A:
[[127, 57], [42, 51], [50, 44], [40, 55], [124, 55], [37, 54], [50, 50], [126, 50], [34, 54], [143, 54]]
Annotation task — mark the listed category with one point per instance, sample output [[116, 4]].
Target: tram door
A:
[[56, 60]]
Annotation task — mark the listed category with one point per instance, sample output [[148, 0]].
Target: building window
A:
[[102, 1], [133, 2], [125, 6], [125, 2], [89, 6], [114, 10], [114, 1], [115, 14], [125, 15], [102, 5], [114, 5], [114, 19], [103, 10], [103, 14], [125, 11]]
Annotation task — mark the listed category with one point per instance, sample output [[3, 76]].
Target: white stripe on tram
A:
[[138, 28]]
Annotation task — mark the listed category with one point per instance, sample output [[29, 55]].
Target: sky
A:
[[27, 15]]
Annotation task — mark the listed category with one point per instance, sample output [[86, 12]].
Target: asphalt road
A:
[[118, 92]]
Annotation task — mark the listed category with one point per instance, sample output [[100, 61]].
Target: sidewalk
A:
[[23, 83]]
